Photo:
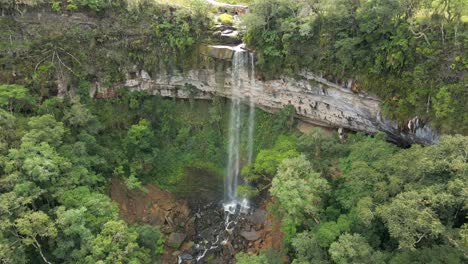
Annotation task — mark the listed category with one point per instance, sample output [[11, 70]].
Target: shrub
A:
[[226, 19]]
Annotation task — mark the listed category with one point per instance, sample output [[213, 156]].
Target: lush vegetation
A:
[[363, 201], [411, 53], [57, 157], [366, 201], [105, 46], [53, 175]]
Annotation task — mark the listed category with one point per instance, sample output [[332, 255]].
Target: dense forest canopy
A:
[[367, 201], [359, 200], [411, 53]]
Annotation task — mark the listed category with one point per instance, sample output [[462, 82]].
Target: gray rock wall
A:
[[316, 100]]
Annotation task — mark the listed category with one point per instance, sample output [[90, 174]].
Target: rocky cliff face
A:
[[316, 100]]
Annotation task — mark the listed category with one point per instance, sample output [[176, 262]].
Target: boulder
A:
[[250, 235], [186, 257], [258, 217], [187, 246], [220, 52], [175, 240]]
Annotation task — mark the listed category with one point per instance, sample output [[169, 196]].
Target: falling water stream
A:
[[242, 90], [242, 66], [251, 122]]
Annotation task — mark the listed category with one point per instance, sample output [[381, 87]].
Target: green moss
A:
[[226, 19]]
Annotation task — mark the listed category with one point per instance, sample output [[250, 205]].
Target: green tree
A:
[[79, 117], [443, 104], [139, 149], [268, 160], [450, 155], [99, 207], [8, 133], [327, 232], [307, 249], [245, 258], [300, 190], [11, 253], [138, 139], [359, 182], [151, 238], [437, 254], [54, 106], [322, 150], [352, 249], [410, 218], [264, 257], [33, 227], [74, 236], [44, 129], [116, 243], [9, 94]]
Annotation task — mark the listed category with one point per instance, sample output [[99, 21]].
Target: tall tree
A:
[[9, 94], [300, 190]]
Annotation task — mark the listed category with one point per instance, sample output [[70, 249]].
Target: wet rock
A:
[[187, 246], [231, 249], [186, 257], [207, 233], [250, 235], [175, 240], [226, 35], [258, 217]]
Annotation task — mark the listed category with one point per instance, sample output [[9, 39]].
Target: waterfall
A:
[[251, 123], [242, 96], [242, 62], [233, 168]]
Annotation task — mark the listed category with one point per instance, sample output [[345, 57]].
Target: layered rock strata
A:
[[315, 99]]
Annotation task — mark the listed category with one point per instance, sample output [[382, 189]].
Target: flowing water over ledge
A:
[[218, 222]]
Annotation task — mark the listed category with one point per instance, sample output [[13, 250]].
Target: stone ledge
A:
[[319, 102]]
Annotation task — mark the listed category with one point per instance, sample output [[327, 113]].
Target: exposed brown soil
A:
[[155, 207], [160, 208], [270, 233]]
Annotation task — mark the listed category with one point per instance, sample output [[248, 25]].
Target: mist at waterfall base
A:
[[223, 220]]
